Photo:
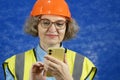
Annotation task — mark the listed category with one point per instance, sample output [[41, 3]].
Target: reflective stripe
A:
[[19, 66], [81, 66], [78, 66]]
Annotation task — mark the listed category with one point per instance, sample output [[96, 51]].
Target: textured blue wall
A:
[[98, 39]]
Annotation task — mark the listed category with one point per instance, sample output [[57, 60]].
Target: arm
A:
[[8, 74], [90, 69]]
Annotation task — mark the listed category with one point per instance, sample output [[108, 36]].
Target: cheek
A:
[[40, 31], [62, 34]]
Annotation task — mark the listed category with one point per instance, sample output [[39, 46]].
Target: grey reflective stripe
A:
[[19, 66], [78, 66]]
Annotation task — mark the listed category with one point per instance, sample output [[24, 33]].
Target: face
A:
[[51, 29]]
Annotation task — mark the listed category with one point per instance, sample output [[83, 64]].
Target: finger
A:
[[65, 59], [38, 64], [44, 73], [52, 59], [53, 67], [50, 66], [52, 71], [41, 68], [37, 67]]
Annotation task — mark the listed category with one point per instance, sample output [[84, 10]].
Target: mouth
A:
[[51, 35]]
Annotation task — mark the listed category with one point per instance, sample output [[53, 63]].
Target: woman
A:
[[51, 21]]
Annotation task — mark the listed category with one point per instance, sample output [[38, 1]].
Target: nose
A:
[[52, 28]]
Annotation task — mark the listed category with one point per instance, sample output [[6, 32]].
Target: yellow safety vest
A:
[[80, 67]]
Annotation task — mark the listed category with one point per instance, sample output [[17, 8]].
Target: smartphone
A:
[[58, 53]]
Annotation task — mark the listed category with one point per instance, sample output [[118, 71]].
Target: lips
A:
[[51, 35]]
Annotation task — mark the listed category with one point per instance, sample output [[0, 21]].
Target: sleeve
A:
[[8, 74], [91, 74], [9, 68], [89, 70]]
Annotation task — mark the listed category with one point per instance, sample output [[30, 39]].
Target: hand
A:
[[38, 72], [57, 68]]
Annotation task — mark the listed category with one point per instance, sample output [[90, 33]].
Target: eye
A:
[[60, 23], [45, 22]]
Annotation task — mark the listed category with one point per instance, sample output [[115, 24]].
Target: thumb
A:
[[44, 73]]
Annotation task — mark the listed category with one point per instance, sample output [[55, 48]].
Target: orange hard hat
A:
[[53, 7]]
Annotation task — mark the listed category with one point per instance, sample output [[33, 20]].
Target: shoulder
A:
[[86, 61], [11, 61], [75, 54], [88, 68], [12, 58]]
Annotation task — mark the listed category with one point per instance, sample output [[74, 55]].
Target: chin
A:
[[52, 42]]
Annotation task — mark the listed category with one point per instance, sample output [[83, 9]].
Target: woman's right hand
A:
[[38, 72]]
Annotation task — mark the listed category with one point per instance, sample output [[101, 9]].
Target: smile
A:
[[51, 35]]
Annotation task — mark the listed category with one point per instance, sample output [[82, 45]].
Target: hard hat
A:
[[54, 7]]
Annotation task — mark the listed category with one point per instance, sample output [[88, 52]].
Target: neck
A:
[[46, 46]]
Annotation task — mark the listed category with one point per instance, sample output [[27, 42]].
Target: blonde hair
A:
[[31, 25]]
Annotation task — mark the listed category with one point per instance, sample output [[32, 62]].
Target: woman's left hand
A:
[[58, 69]]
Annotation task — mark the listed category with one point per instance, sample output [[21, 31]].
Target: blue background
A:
[[98, 38]]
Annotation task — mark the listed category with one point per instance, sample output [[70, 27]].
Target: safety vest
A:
[[80, 66]]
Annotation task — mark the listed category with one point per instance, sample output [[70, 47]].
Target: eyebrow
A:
[[55, 20]]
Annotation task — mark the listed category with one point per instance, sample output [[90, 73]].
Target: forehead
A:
[[53, 17]]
